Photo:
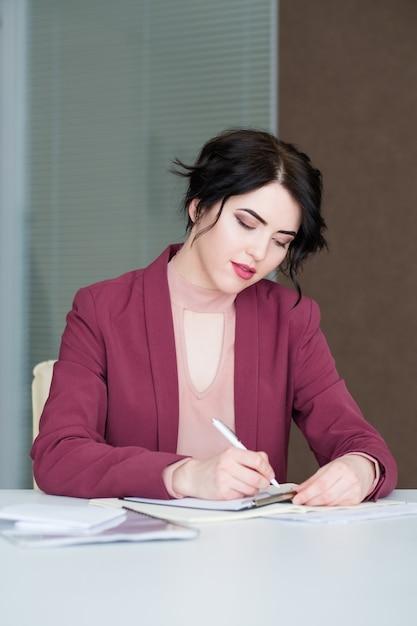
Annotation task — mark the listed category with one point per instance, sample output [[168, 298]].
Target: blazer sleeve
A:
[[71, 455], [327, 414]]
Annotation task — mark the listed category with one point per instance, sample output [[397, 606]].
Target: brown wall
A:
[[348, 96]]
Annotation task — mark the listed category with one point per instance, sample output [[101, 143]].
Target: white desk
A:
[[248, 573]]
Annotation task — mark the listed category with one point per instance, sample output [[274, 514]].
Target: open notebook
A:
[[195, 511], [284, 493]]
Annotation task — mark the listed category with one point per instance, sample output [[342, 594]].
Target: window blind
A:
[[116, 91]]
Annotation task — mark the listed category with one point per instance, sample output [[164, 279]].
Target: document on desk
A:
[[283, 493], [194, 511], [42, 525], [71, 517], [365, 512]]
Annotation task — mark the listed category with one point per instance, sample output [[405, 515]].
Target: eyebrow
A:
[[260, 219]]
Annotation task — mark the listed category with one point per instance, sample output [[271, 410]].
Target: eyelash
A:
[[281, 245], [239, 221], [278, 243]]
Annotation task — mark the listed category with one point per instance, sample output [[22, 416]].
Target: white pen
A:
[[231, 438]]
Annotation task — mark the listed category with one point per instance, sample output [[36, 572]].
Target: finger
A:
[[256, 461], [320, 489], [318, 497], [329, 488], [244, 482], [249, 480]]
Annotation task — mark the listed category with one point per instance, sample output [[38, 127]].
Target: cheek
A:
[[221, 239], [276, 257], [210, 247]]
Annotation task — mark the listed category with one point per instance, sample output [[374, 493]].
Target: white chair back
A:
[[42, 377]]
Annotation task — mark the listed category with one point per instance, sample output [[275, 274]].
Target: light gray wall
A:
[[14, 386]]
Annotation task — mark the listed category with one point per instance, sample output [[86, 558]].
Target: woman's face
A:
[[250, 239]]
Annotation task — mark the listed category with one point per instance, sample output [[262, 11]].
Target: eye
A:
[[281, 244], [243, 224]]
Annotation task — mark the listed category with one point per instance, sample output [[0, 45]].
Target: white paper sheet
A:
[[60, 517], [360, 513]]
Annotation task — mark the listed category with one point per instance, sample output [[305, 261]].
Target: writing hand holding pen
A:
[[232, 438], [234, 473]]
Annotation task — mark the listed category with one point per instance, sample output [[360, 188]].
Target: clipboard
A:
[[271, 496], [273, 499]]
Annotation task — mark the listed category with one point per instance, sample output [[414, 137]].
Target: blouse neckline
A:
[[195, 298]]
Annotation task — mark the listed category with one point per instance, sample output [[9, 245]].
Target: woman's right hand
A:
[[232, 474]]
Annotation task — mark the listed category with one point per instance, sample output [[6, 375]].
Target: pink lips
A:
[[243, 271]]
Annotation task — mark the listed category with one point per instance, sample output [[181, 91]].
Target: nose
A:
[[257, 248]]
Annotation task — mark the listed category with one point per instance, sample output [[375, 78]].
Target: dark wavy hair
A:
[[240, 160]]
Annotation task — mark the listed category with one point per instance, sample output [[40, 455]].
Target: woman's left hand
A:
[[346, 480]]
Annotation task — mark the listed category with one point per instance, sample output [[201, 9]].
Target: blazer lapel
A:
[[161, 341], [247, 367]]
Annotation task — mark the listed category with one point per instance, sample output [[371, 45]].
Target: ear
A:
[[193, 209]]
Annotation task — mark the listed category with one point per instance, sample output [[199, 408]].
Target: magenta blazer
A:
[[109, 427]]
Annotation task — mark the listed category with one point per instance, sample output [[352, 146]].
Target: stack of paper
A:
[[55, 518], [40, 525]]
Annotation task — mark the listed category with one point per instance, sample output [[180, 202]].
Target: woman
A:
[[149, 358]]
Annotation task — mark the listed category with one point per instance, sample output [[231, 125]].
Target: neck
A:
[[186, 263]]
